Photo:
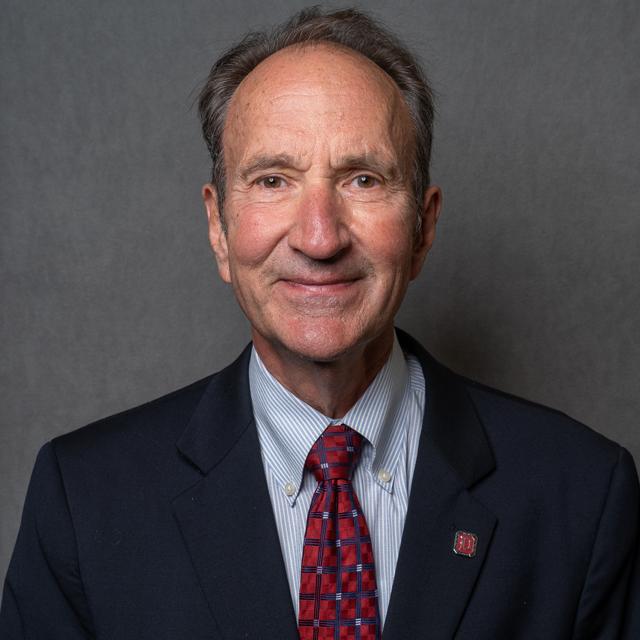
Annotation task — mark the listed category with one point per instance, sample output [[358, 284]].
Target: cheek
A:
[[387, 236], [254, 232]]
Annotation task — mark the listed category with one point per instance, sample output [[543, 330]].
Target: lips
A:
[[319, 292], [320, 277], [318, 282]]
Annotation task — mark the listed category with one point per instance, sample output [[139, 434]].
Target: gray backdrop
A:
[[110, 296]]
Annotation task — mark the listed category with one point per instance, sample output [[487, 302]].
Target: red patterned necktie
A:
[[338, 592]]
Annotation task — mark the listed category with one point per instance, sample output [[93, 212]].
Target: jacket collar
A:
[[450, 419], [222, 416], [451, 422]]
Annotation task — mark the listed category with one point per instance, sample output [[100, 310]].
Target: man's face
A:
[[321, 219]]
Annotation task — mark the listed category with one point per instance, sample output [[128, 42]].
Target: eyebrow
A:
[[264, 162], [373, 162], [365, 161]]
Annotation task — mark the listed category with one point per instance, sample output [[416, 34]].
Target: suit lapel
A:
[[432, 584], [226, 518]]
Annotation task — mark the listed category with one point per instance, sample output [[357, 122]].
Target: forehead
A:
[[317, 94]]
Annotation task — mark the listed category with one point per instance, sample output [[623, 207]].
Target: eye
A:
[[271, 182], [365, 181]]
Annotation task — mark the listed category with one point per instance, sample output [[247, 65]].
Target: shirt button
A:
[[289, 488], [384, 475]]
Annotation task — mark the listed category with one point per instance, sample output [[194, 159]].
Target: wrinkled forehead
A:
[[319, 78], [322, 63]]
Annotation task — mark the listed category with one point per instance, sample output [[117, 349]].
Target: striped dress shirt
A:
[[388, 415]]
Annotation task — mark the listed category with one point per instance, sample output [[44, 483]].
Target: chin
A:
[[318, 351], [325, 341]]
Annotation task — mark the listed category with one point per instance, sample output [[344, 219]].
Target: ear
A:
[[217, 235], [430, 212]]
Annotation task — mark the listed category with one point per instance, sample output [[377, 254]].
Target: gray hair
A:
[[349, 28]]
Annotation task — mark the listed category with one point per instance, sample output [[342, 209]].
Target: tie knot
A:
[[334, 454]]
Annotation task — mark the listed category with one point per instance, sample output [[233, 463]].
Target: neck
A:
[[331, 387]]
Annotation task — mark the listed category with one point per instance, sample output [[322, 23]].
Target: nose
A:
[[320, 230]]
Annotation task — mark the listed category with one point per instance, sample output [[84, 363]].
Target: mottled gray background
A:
[[109, 292]]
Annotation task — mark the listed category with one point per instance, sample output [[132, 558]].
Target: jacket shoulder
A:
[[162, 419], [534, 428]]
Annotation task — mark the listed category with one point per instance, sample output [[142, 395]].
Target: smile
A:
[[319, 286]]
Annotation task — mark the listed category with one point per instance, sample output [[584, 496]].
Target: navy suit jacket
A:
[[157, 524]]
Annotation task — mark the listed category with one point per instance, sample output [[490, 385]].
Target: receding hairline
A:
[[327, 45], [382, 79]]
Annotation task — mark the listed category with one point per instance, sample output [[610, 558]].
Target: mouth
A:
[[319, 282], [319, 286]]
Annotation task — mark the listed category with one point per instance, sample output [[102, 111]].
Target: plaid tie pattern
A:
[[338, 593]]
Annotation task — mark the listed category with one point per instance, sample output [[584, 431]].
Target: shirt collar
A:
[[288, 427]]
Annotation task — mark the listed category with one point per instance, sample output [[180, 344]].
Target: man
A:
[[335, 481]]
